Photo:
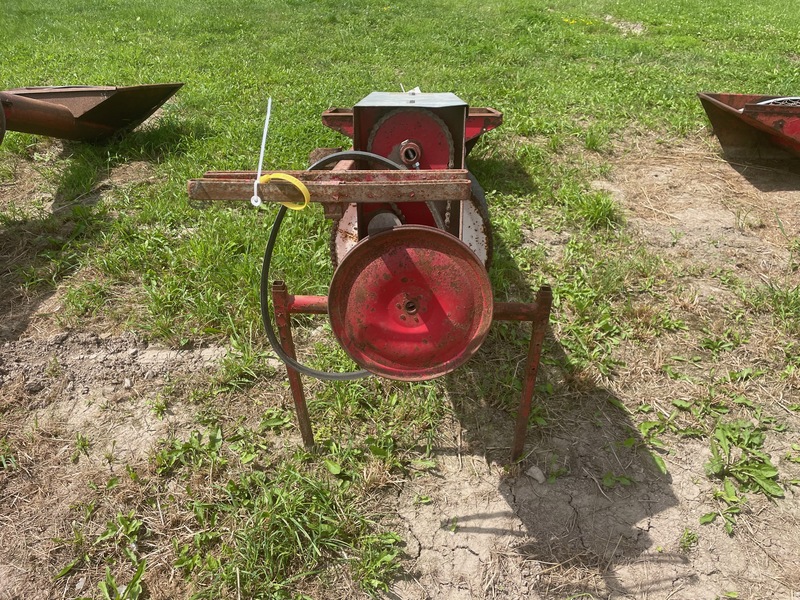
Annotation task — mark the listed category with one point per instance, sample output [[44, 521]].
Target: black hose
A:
[[354, 155], [273, 236]]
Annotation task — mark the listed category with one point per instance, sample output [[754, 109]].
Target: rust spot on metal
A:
[[753, 125]]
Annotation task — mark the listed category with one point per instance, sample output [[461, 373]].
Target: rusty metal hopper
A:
[[754, 126], [82, 113]]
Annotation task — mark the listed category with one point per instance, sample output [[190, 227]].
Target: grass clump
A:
[[297, 527], [782, 301], [8, 460], [266, 524], [595, 210]]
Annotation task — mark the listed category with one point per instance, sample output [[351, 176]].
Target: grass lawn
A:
[[228, 505]]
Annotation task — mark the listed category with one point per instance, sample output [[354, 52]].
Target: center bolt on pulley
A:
[[410, 299], [410, 153]]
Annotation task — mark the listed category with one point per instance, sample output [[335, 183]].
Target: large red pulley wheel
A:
[[415, 137], [411, 303]]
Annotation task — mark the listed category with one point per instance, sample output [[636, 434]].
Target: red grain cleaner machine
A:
[[411, 240]]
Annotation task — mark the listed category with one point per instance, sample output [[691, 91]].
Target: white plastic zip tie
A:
[[256, 199]]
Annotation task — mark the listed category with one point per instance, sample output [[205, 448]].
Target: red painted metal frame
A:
[[538, 313], [345, 185], [82, 113], [743, 124]]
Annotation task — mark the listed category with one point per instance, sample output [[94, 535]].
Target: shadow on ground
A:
[[581, 499], [587, 486], [50, 216], [766, 168]]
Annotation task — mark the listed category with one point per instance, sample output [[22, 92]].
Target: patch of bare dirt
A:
[[689, 202], [626, 27], [104, 388], [25, 188]]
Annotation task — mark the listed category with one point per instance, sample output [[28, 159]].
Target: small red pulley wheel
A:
[[411, 303]]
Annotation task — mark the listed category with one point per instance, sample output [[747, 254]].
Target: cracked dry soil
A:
[[482, 529], [477, 527]]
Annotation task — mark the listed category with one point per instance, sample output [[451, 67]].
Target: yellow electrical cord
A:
[[295, 182]]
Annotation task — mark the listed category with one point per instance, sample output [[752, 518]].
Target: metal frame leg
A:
[[282, 303], [544, 301]]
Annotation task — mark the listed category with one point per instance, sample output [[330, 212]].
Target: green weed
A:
[[689, 539], [724, 342], [82, 447], [249, 445], [111, 590], [730, 506], [8, 462], [736, 452], [199, 451], [610, 480], [159, 406], [737, 456]]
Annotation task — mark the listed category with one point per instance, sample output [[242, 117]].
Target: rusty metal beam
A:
[[348, 174], [339, 187], [30, 115], [540, 317], [281, 301]]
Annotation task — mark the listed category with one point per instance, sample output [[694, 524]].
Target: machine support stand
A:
[[538, 313], [282, 303], [544, 300]]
